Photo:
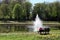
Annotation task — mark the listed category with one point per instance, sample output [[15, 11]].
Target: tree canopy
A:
[[25, 11]]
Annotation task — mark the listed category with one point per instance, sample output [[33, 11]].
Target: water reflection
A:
[[12, 28]]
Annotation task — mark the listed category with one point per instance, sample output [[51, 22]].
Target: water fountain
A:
[[36, 24]]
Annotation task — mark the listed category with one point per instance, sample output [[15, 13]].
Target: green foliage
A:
[[11, 6], [1, 14], [17, 11], [46, 11], [28, 8], [40, 10], [5, 11], [24, 11]]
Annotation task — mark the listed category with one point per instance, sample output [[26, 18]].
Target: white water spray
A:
[[37, 24]]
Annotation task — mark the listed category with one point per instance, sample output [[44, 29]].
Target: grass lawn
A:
[[54, 35]]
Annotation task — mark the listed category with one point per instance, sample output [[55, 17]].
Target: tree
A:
[[17, 12], [1, 14], [5, 10], [11, 6], [58, 10], [28, 7], [52, 11], [39, 9]]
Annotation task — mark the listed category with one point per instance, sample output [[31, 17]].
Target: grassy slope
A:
[[54, 35]]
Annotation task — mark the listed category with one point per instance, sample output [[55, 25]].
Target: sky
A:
[[40, 1], [0, 0]]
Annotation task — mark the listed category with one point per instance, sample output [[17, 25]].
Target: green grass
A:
[[54, 35]]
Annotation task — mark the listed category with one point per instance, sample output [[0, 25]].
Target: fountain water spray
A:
[[37, 24]]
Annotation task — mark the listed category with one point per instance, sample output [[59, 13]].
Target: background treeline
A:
[[26, 12]]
